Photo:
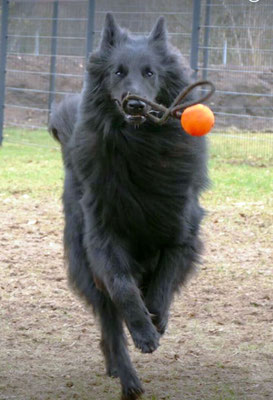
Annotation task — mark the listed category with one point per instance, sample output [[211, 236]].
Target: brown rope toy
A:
[[197, 120]]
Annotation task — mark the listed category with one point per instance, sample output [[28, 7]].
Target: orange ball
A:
[[197, 120]]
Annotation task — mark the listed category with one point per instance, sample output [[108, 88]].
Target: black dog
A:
[[131, 193]]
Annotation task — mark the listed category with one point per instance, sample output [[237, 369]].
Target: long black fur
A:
[[132, 213]]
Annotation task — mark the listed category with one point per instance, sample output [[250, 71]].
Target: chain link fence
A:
[[238, 56], [226, 41]]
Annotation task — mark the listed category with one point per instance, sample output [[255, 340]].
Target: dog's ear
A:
[[111, 33], [159, 32]]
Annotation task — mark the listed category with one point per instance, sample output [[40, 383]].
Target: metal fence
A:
[[236, 52], [44, 46]]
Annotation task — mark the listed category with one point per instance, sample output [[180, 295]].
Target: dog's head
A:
[[147, 66]]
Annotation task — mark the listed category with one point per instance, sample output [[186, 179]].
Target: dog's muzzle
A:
[[137, 109], [134, 110]]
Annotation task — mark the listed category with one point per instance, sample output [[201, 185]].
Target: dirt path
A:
[[219, 343]]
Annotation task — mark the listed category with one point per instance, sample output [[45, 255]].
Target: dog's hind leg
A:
[[114, 348], [79, 273]]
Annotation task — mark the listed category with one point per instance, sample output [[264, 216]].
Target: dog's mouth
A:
[[134, 113], [135, 119]]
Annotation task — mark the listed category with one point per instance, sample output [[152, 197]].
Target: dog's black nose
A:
[[135, 107]]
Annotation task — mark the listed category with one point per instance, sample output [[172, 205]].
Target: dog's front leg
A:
[[110, 265], [173, 267]]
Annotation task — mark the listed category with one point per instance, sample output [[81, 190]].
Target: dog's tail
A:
[[63, 118]]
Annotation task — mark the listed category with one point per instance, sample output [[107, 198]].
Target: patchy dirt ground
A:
[[219, 344]]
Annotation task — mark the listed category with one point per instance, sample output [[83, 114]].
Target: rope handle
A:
[[176, 108]]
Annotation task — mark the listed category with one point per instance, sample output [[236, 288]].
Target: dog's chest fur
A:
[[140, 186]]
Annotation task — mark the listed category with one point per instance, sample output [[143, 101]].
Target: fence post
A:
[[90, 27], [206, 40], [195, 36], [225, 52], [52, 76], [3, 59]]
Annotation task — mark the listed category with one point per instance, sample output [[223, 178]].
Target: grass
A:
[[239, 183], [235, 146], [30, 164], [241, 167]]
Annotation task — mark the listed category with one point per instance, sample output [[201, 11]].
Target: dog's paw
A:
[[132, 390], [147, 340]]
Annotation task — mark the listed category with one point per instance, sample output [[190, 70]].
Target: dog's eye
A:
[[120, 72], [148, 73]]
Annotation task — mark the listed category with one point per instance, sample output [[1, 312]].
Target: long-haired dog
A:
[[131, 192]]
